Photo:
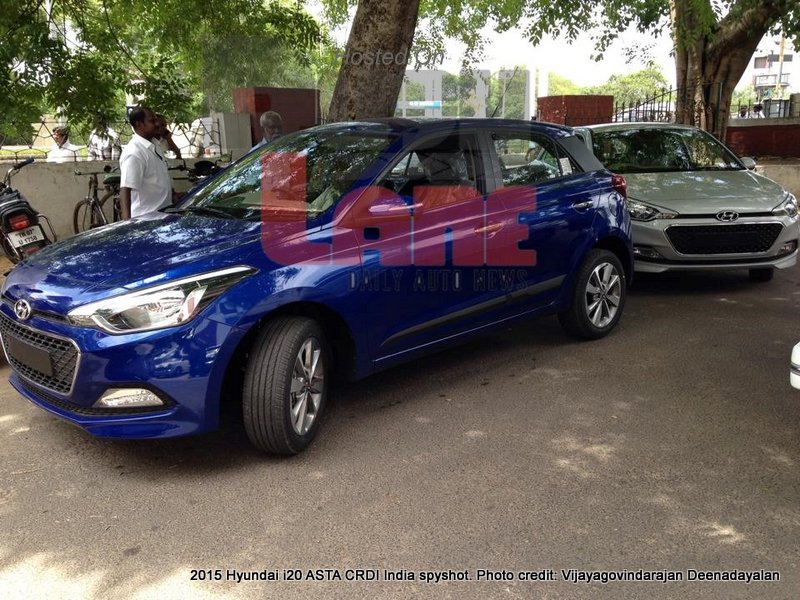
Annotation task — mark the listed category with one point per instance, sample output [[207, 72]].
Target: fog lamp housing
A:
[[788, 248], [128, 398], [646, 253]]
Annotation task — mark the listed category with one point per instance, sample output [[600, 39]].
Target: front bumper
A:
[[794, 371], [182, 366], [655, 252]]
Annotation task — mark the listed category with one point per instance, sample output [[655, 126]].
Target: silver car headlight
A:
[[640, 211], [160, 306], [787, 207]]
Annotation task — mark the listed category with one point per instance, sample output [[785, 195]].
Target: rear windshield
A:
[[650, 150]]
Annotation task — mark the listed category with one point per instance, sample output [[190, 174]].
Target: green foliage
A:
[[465, 20], [414, 91], [181, 57], [561, 86], [633, 88], [507, 94], [743, 96], [456, 93]]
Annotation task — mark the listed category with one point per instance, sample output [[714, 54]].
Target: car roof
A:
[[425, 125], [637, 125]]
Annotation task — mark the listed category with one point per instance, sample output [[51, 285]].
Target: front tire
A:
[[597, 298], [286, 385]]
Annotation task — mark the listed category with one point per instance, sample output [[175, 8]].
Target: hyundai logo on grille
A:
[[727, 215], [23, 310]]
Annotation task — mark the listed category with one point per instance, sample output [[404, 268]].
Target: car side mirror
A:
[[376, 205], [388, 207], [748, 163]]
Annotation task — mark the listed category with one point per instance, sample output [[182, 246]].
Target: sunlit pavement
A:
[[671, 445]]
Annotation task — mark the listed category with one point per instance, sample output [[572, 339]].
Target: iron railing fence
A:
[[201, 137], [660, 107], [778, 108]]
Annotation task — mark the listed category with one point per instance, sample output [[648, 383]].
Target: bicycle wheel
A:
[[87, 215]]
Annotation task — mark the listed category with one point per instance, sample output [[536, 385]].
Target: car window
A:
[[662, 149], [309, 170], [442, 170], [528, 158]]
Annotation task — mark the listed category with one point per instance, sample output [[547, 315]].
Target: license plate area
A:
[[29, 355], [27, 236]]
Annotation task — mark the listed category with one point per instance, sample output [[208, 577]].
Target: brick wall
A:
[[764, 137], [576, 110]]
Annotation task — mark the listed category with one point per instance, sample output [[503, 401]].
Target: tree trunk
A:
[[710, 61], [375, 59]]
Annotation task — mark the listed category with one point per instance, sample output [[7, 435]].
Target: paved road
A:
[[670, 446]]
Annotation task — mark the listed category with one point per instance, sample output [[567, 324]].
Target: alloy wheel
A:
[[308, 386], [603, 294]]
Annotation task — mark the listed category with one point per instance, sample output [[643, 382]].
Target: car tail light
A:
[[620, 185], [18, 222]]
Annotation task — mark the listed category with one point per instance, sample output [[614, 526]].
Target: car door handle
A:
[[489, 230], [583, 205]]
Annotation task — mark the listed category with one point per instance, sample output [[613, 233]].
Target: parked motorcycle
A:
[[21, 231]]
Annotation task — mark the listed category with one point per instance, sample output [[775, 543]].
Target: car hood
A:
[[127, 255], [700, 192]]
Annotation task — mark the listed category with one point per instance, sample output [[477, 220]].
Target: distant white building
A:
[[774, 70], [422, 93]]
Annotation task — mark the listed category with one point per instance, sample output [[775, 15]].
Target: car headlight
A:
[[787, 207], [160, 306], [640, 211]]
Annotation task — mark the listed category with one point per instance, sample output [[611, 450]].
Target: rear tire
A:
[[286, 385], [87, 216], [762, 274], [597, 298]]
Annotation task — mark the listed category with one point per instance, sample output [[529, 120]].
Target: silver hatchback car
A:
[[694, 204]]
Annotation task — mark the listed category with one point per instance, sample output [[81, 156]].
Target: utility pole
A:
[[778, 83]]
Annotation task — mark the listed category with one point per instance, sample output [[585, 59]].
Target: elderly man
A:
[[272, 126], [145, 185]]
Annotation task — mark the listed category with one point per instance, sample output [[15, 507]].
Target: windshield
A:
[[309, 170], [649, 150]]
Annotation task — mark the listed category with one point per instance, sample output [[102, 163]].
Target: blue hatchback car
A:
[[339, 251]]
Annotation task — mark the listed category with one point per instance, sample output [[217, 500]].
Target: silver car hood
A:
[[693, 192]]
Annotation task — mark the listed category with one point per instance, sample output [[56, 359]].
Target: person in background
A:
[[145, 185], [62, 150], [103, 141], [164, 137], [272, 126]]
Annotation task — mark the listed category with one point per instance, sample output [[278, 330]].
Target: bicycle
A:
[[88, 212]]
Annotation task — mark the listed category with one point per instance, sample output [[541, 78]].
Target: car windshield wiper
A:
[[206, 210]]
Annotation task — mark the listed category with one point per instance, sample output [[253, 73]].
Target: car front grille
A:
[[741, 238], [62, 353]]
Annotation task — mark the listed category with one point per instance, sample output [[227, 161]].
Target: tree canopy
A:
[[84, 56], [632, 88], [713, 39]]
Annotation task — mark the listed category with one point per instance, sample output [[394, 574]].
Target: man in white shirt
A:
[[103, 142], [145, 185], [63, 150], [163, 138]]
